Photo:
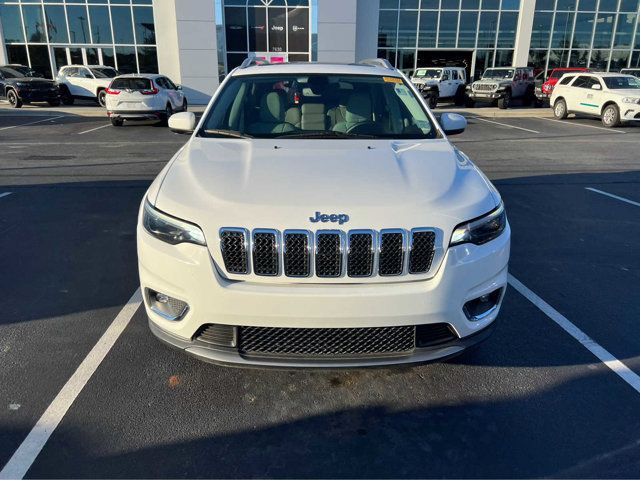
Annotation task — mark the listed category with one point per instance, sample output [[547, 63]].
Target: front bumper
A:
[[485, 96], [188, 273], [38, 95], [540, 95], [629, 112]]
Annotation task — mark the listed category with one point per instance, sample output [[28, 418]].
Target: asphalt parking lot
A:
[[532, 401]]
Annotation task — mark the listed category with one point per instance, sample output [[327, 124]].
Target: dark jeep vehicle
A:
[[18, 87]]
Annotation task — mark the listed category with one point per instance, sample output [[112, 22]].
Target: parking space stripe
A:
[[24, 456], [32, 123], [564, 122], [5, 194], [506, 125], [94, 129], [622, 199], [600, 352]]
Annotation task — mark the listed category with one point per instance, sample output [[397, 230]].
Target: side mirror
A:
[[183, 122], [596, 86], [178, 87], [453, 123]]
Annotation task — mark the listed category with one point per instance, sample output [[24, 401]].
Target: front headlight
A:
[[170, 229], [630, 100], [480, 230]]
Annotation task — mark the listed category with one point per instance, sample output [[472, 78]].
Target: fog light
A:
[[483, 306], [167, 307]]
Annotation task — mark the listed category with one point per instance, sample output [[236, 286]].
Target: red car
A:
[[544, 91]]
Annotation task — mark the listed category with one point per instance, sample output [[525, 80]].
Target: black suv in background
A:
[[17, 86]]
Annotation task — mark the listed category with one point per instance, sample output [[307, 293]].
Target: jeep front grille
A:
[[328, 253], [485, 87]]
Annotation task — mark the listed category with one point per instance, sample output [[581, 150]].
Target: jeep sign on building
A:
[[197, 42]]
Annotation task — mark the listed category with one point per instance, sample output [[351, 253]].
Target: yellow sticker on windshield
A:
[[392, 79]]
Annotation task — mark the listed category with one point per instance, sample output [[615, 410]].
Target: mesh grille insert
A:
[[328, 255], [265, 253], [319, 342], [422, 251], [360, 259], [391, 254], [296, 255], [234, 251]]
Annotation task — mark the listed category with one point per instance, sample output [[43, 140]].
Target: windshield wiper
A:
[[226, 133], [325, 134]]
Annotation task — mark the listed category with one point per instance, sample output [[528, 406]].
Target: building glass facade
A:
[[599, 34], [274, 30], [47, 34], [476, 34]]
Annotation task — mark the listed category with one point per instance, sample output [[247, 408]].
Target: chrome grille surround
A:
[[485, 87], [310, 255]]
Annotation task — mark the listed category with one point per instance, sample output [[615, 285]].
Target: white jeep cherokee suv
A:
[[84, 82], [294, 231], [613, 97]]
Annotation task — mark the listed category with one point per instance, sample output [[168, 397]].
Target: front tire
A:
[[116, 122], [433, 101], [167, 114], [469, 103], [54, 103], [65, 96], [102, 98], [13, 99], [504, 102], [611, 116], [458, 99], [560, 109], [185, 105]]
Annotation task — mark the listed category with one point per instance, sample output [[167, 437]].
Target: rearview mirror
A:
[[596, 86], [453, 123], [183, 122]]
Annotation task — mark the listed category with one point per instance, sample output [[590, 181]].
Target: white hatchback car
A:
[[143, 97], [613, 97], [84, 82], [289, 231]]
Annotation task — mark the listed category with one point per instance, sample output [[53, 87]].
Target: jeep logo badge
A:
[[334, 217]]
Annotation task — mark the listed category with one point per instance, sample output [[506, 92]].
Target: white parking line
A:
[[564, 122], [5, 194], [600, 352], [622, 199], [94, 129], [506, 125], [24, 456], [32, 123]]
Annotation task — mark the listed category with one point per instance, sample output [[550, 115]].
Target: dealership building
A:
[[196, 42]]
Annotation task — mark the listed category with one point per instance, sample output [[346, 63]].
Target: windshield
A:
[[428, 73], [620, 83], [498, 73], [318, 106], [11, 72], [23, 71], [104, 72]]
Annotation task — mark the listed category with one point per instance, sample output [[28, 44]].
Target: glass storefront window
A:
[[39, 55], [604, 30], [298, 20], [468, 29], [17, 54], [488, 29], [629, 6], [504, 58], [490, 4], [562, 28], [510, 4], [122, 25], [587, 5], [448, 29], [108, 58], [11, 23], [277, 23], [558, 59], [258, 29], [407, 28], [599, 59], [387, 28], [78, 25], [100, 24], [56, 23], [566, 5], [635, 59], [507, 31], [428, 29], [144, 26], [92, 56], [450, 4], [583, 30], [579, 58], [624, 30], [148, 59], [470, 4], [126, 57], [541, 32], [608, 5], [619, 59], [34, 24], [484, 60]]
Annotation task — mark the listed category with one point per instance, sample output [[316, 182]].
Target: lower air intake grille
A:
[[233, 244], [320, 342], [422, 251], [296, 254], [391, 253]]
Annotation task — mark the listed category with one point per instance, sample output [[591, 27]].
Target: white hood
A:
[[281, 183]]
